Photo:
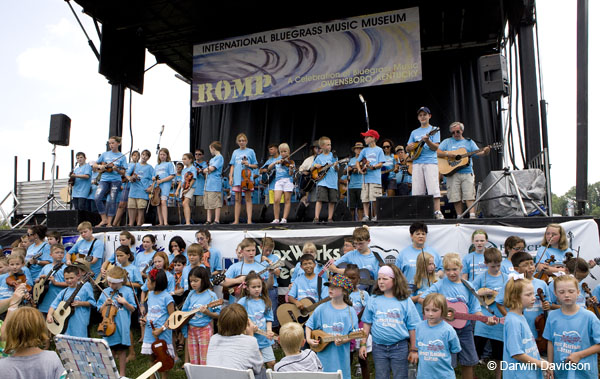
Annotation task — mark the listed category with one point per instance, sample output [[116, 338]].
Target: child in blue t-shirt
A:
[[473, 263], [236, 273], [455, 291], [140, 175], [371, 186], [54, 273], [519, 343], [120, 296], [391, 318], [88, 248], [200, 327], [241, 159], [424, 278], [362, 256], [187, 186], [488, 284], [213, 199], [573, 333], [436, 340], [306, 285], [82, 177], [359, 299], [257, 303], [283, 182], [554, 244], [336, 318], [165, 171], [80, 315], [327, 188]]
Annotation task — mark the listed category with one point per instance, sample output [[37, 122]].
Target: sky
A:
[[48, 67]]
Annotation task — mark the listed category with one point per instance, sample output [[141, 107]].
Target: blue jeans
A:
[[110, 209], [391, 358], [80, 203], [274, 304]]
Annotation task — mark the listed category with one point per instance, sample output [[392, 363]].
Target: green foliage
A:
[[560, 203]]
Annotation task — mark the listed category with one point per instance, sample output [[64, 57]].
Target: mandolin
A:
[[490, 298], [178, 318], [326, 338], [64, 309]]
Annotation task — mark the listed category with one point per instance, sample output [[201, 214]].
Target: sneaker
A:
[[283, 221], [472, 215], [365, 219], [276, 221], [315, 221], [438, 215], [374, 219], [358, 370]]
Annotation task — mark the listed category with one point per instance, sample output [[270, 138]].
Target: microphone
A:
[[362, 99]]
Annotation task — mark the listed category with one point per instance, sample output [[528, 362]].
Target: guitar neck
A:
[[470, 317], [353, 336], [72, 297], [315, 305]]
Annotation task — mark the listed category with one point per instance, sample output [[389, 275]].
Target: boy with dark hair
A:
[[306, 285]]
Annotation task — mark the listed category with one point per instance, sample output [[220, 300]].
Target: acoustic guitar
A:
[[65, 308], [416, 153], [288, 312], [458, 315], [317, 174], [41, 287], [449, 165], [326, 338], [178, 318], [99, 279]]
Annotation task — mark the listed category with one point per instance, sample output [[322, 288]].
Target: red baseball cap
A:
[[370, 133]]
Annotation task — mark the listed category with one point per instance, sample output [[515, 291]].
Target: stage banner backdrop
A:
[[376, 49], [387, 241]]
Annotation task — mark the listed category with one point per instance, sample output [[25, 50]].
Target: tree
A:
[[592, 208]]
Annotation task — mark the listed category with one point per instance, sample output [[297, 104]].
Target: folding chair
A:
[[303, 375], [215, 372]]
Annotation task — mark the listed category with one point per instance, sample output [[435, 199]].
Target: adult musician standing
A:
[[305, 171], [425, 173], [461, 185], [82, 182]]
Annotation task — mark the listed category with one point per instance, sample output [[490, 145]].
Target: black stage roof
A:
[[172, 27]]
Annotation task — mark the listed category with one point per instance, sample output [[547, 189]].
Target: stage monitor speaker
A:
[[404, 207], [60, 129], [303, 213], [493, 77], [227, 214], [71, 218], [123, 56]]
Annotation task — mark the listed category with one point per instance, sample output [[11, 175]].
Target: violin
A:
[[187, 180], [14, 280], [591, 305], [108, 311], [287, 162], [247, 178], [542, 275], [540, 324], [161, 354]]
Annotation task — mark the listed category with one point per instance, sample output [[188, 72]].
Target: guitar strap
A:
[[91, 248], [379, 259], [319, 284]]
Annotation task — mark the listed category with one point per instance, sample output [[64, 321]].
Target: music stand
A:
[[508, 174]]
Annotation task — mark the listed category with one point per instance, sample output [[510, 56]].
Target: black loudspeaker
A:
[[123, 56], [493, 77], [305, 213], [71, 218], [227, 214], [404, 207], [60, 129]]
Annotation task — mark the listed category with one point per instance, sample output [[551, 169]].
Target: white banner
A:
[[386, 240]]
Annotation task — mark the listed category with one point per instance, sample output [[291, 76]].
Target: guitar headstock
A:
[[496, 145], [217, 279]]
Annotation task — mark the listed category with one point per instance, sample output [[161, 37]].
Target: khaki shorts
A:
[[212, 200], [370, 192], [189, 195], [460, 187], [136, 203], [198, 200]]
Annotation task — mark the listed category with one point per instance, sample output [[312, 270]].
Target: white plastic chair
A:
[[203, 372], [303, 375]]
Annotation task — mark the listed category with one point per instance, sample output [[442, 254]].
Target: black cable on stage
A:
[[130, 123], [518, 58]]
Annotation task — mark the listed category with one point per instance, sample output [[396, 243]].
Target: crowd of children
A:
[[412, 317]]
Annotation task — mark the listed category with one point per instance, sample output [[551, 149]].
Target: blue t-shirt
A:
[[519, 340], [436, 344], [200, 177], [495, 283], [427, 156], [572, 333], [367, 261], [330, 180], [359, 299], [170, 283], [375, 156], [53, 290], [298, 270], [158, 313], [259, 316], [406, 261], [476, 260], [120, 162], [455, 292], [390, 319], [559, 255], [388, 166], [536, 309], [303, 287], [281, 172], [241, 268], [507, 266], [335, 322], [236, 161], [81, 188], [184, 172], [82, 247], [34, 250], [138, 188], [122, 318], [274, 259], [7, 291], [133, 273], [80, 316], [451, 144], [214, 181], [355, 177], [164, 170], [143, 260], [194, 300], [214, 260], [596, 292], [266, 165]]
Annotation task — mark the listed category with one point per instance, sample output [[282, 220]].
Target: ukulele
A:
[[178, 318], [458, 314], [64, 309], [40, 288], [449, 165], [160, 353], [326, 338]]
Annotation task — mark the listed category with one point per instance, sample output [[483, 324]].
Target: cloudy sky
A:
[[48, 68]]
